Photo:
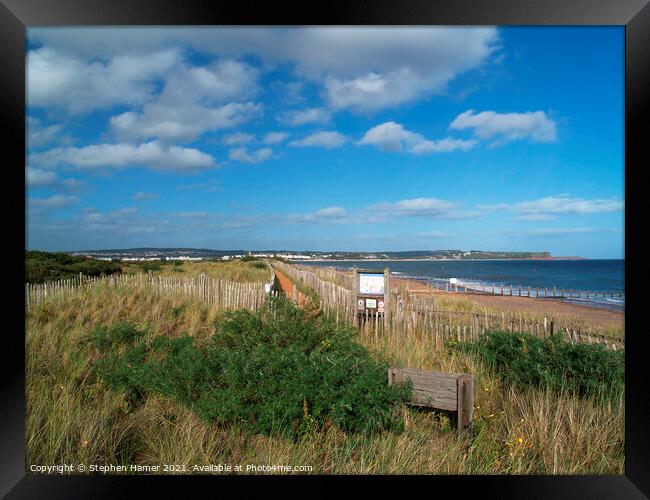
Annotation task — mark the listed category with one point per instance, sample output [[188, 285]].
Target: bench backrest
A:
[[445, 391]]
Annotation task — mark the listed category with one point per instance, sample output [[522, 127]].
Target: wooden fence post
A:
[[465, 401], [387, 299]]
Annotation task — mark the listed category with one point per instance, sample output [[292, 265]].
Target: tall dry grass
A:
[[231, 270], [72, 417], [459, 303]]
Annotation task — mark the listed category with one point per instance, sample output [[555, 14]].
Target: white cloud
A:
[[359, 68], [152, 155], [391, 136], [567, 231], [306, 116], [56, 201], [328, 214], [506, 127], [331, 212], [275, 137], [432, 208], [563, 204], [39, 178], [57, 79], [36, 177], [328, 140], [373, 91], [143, 196], [185, 108], [73, 184], [183, 123], [242, 155], [220, 81], [238, 139], [549, 207], [38, 135]]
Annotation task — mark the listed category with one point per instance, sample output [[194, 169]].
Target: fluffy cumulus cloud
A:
[[306, 116], [244, 156], [39, 178], [325, 139], [374, 91], [180, 123], [65, 80], [39, 135], [535, 126], [391, 136], [237, 139], [152, 155], [36, 177], [275, 137], [361, 69], [193, 101]]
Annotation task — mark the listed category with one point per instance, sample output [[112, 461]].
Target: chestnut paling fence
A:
[[416, 317], [215, 292], [411, 317]]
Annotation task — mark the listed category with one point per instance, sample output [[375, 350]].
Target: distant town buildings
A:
[[189, 254]]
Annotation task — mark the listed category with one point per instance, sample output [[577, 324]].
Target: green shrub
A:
[[51, 266], [279, 371], [527, 360], [150, 266]]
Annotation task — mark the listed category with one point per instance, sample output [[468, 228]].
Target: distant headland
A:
[[148, 253]]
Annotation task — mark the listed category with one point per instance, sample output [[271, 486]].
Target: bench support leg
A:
[[465, 409]]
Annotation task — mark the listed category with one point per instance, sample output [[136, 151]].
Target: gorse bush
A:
[[277, 371], [151, 266], [527, 360], [48, 266]]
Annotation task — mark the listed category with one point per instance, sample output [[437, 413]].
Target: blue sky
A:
[[486, 138]]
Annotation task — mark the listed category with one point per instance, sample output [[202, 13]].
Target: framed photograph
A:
[[386, 240]]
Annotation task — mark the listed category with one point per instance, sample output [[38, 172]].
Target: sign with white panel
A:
[[371, 293], [371, 284]]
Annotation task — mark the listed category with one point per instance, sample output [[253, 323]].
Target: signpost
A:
[[372, 293]]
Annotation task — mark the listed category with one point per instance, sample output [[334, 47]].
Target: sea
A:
[[595, 275]]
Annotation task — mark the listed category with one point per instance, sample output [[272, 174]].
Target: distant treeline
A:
[[46, 266]]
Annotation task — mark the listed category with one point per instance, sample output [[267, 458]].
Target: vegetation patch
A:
[[279, 371], [48, 266], [528, 361]]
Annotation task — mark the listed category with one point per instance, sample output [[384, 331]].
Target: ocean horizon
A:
[[594, 275]]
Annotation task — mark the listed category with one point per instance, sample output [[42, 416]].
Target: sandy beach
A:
[[550, 307]]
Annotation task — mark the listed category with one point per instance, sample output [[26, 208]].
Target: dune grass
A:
[[74, 417], [251, 271], [458, 303]]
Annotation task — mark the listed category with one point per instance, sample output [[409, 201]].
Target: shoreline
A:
[[550, 306], [572, 259]]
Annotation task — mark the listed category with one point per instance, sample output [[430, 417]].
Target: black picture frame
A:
[[16, 15]]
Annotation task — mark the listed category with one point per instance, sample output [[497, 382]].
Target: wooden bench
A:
[[444, 391]]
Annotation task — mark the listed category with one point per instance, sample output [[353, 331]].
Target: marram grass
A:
[[74, 417]]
